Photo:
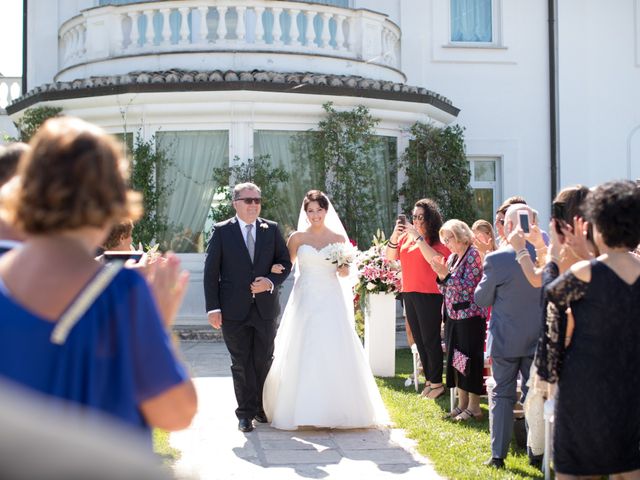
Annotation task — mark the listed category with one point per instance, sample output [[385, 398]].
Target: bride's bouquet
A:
[[341, 254], [376, 273]]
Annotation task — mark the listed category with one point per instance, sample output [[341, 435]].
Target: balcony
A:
[[10, 89], [270, 35]]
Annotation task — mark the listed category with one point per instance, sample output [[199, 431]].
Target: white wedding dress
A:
[[320, 376]]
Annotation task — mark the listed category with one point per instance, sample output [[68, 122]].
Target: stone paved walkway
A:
[[213, 448]]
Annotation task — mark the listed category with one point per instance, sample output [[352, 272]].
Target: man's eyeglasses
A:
[[418, 217], [250, 200]]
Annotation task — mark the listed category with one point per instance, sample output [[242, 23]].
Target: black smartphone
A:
[[523, 215], [558, 214], [402, 218], [121, 255]]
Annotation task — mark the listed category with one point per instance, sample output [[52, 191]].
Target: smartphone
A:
[[402, 218], [523, 215], [558, 214], [121, 255]]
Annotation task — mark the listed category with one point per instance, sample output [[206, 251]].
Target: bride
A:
[[320, 376]]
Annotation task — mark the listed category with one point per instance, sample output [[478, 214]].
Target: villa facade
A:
[[547, 91]]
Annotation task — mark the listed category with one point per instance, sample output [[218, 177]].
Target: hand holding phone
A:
[[402, 219], [523, 215]]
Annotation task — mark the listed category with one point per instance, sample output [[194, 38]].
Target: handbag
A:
[[460, 361]]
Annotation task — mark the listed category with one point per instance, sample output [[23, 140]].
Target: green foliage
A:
[[147, 162], [436, 167], [341, 154], [457, 450], [260, 171], [32, 119]]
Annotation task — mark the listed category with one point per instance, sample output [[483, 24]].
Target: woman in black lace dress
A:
[[597, 420]]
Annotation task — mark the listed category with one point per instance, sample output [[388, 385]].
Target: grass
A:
[[163, 449], [456, 449]]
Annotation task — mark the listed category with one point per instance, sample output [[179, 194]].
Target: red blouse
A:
[[417, 274]]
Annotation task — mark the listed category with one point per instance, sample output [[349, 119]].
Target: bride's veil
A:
[[333, 223]]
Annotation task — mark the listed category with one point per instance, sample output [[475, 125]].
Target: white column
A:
[[277, 29], [204, 28], [149, 30], [326, 31], [118, 35], [240, 27], [135, 31], [380, 333], [339, 32], [166, 26], [259, 24], [294, 32], [352, 34], [310, 33], [222, 24], [184, 25]]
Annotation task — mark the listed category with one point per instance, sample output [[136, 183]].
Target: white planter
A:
[[380, 334]]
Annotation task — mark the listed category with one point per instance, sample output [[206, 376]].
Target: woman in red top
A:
[[415, 245]]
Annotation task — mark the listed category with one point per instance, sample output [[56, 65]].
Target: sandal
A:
[[428, 392], [468, 415], [454, 413]]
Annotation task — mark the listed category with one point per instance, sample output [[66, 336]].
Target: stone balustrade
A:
[[10, 89], [252, 26]]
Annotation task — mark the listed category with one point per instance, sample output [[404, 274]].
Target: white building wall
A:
[[599, 91], [502, 91]]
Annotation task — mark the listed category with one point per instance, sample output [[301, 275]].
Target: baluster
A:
[[325, 36], [352, 34], [259, 24], [222, 23], [166, 26], [74, 44], [82, 37], [310, 33], [135, 31], [184, 25], [148, 14], [339, 32], [67, 47], [118, 34], [240, 27], [277, 29], [294, 33], [204, 27]]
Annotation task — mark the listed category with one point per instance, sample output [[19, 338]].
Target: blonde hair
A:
[[486, 228], [459, 229], [74, 176]]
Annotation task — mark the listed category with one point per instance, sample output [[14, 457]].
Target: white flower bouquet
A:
[[341, 253]]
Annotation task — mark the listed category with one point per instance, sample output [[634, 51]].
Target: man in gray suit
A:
[[514, 329]]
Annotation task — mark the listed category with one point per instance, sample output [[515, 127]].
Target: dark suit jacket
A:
[[516, 305], [228, 270]]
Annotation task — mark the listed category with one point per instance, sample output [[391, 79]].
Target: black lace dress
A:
[[597, 418]]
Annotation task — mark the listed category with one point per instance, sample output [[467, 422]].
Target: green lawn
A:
[[456, 449]]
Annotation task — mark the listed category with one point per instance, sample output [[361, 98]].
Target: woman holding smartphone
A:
[[415, 245]]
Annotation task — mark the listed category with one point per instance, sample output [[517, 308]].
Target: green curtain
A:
[[192, 157]]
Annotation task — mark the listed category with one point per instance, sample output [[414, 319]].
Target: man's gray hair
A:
[[245, 186]]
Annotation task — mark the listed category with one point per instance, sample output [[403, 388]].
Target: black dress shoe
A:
[[536, 461], [261, 418], [245, 425], [495, 463]]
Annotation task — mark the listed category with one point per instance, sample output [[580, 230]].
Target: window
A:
[[485, 182], [472, 21]]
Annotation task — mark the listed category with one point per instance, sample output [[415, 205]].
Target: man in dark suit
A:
[[242, 296], [513, 331]]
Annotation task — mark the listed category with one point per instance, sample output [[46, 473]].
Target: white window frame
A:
[[495, 185], [496, 28]]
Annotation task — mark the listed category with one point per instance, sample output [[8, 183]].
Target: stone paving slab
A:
[[212, 447]]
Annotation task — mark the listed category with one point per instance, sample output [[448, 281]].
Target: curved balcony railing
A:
[[177, 26], [10, 89]]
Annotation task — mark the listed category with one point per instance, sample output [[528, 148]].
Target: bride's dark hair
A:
[[315, 196]]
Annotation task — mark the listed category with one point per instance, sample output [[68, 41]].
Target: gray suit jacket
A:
[[516, 306]]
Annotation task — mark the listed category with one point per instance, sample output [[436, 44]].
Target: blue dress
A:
[[115, 357]]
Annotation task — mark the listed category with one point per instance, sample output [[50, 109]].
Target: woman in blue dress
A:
[[71, 328]]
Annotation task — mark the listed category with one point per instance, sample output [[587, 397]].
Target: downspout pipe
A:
[[554, 157], [25, 5]]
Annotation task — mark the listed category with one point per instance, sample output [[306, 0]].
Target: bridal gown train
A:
[[320, 376]]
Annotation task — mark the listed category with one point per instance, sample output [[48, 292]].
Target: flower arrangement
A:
[[376, 273], [341, 253]]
